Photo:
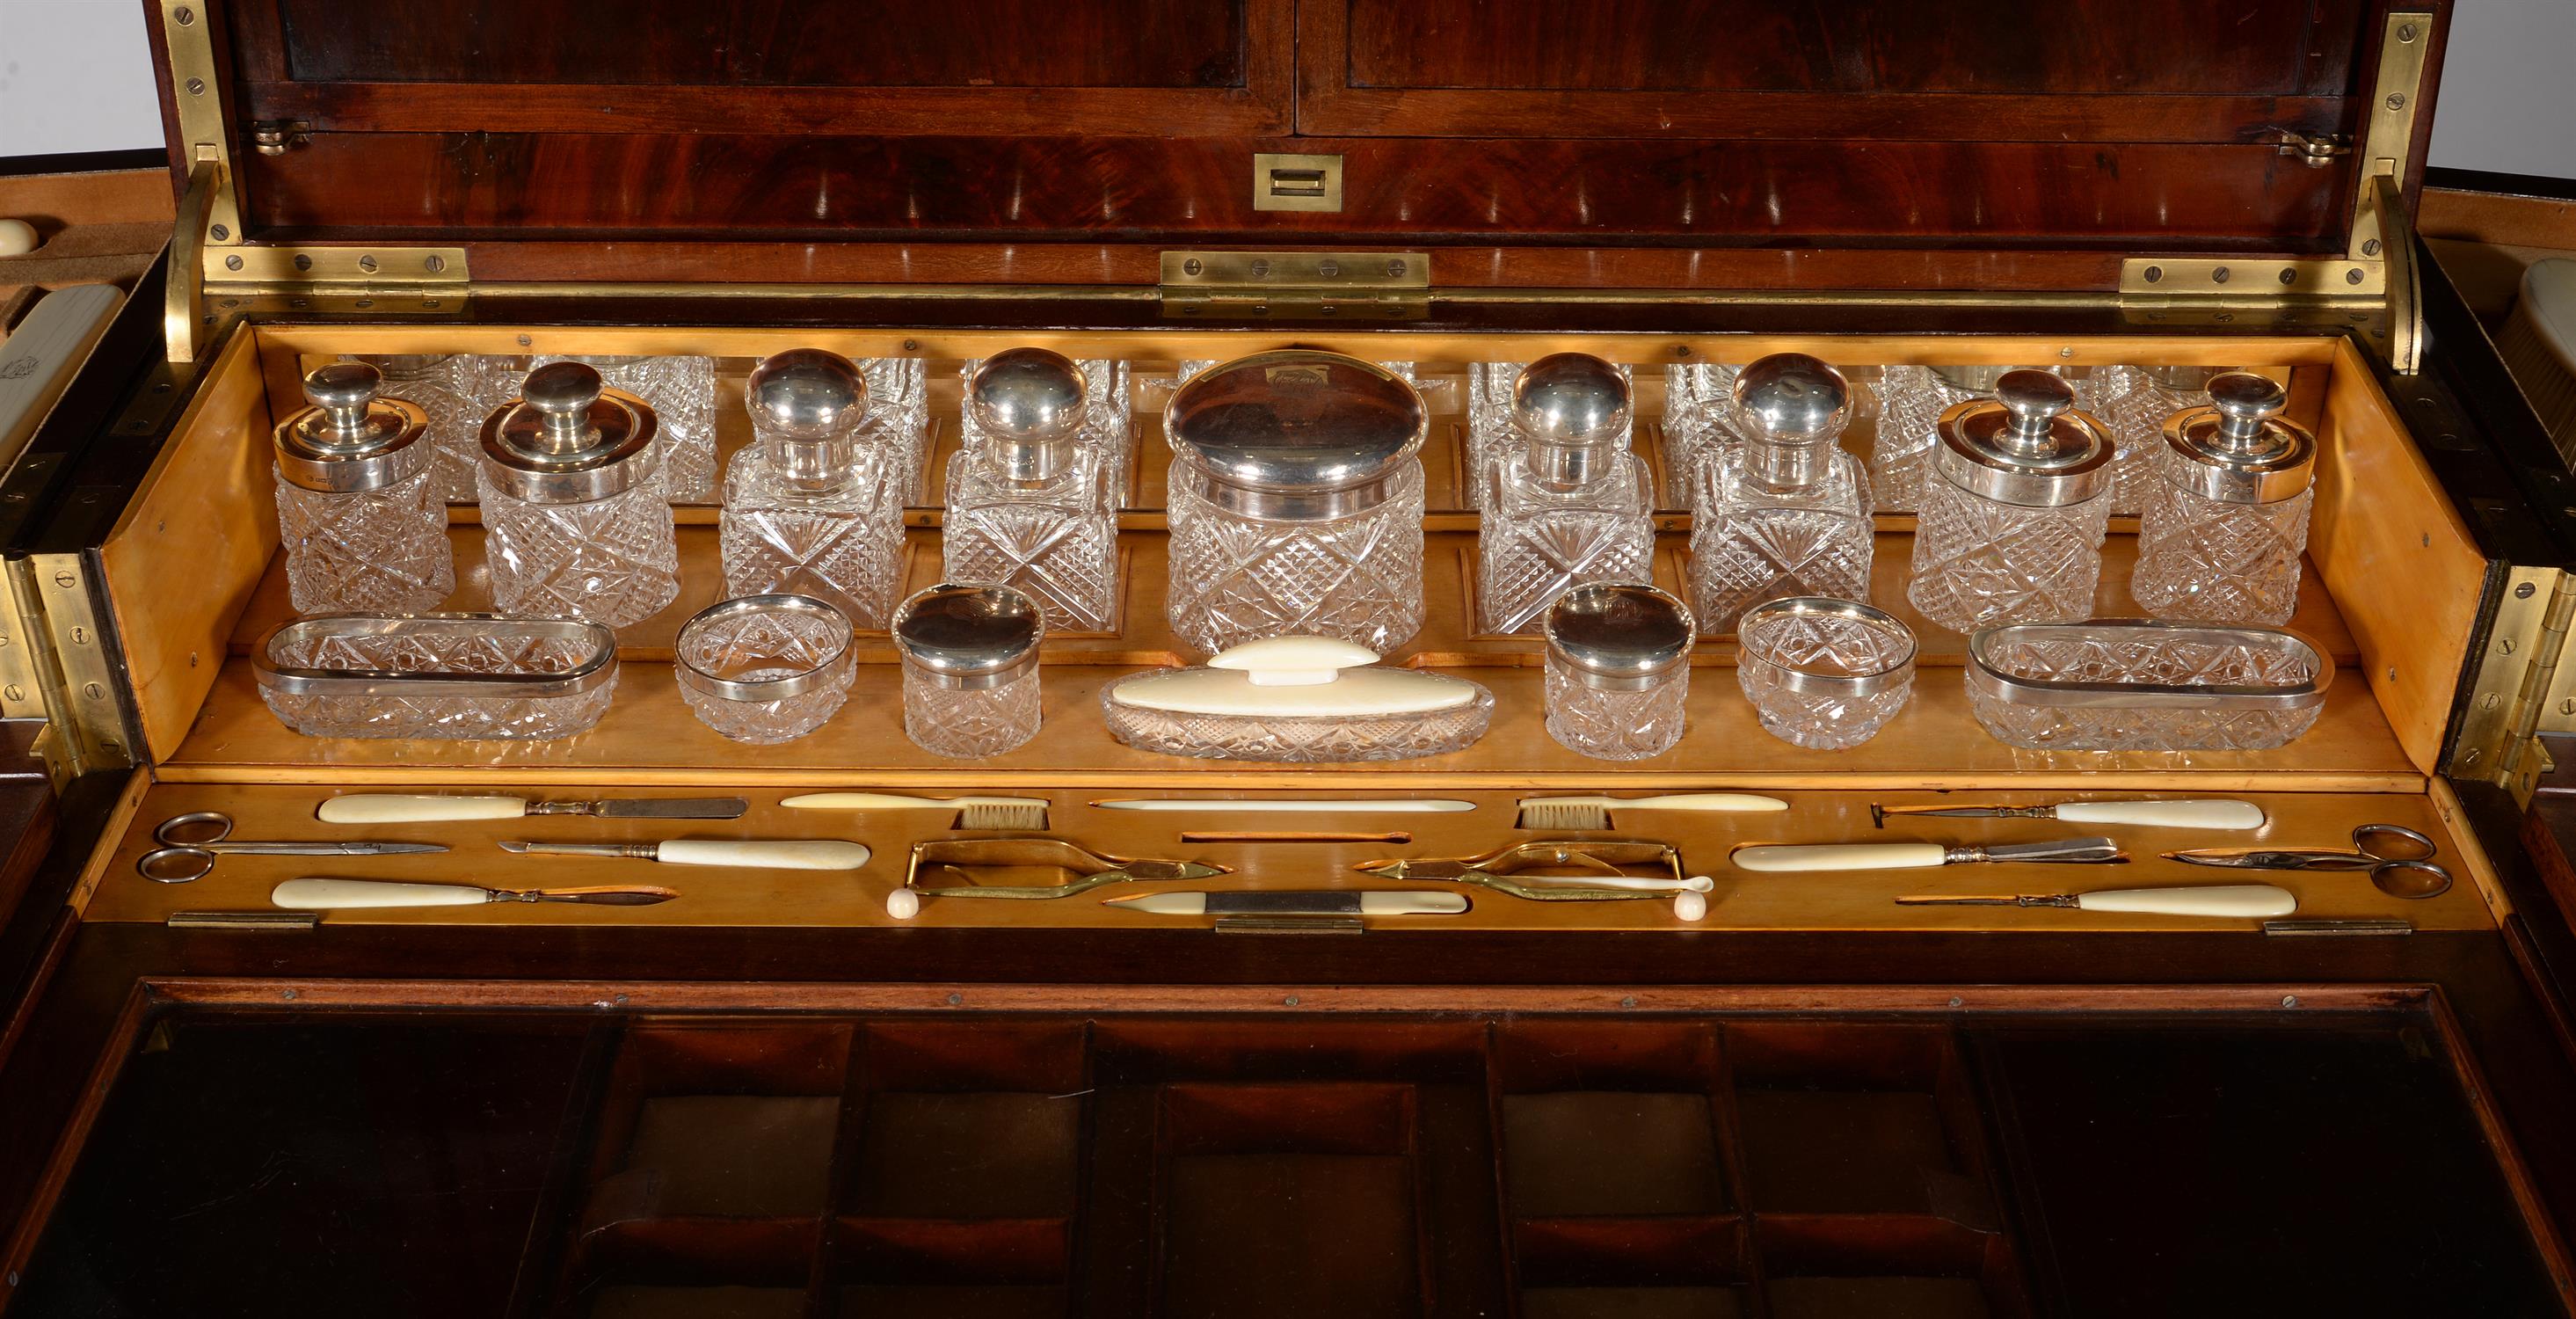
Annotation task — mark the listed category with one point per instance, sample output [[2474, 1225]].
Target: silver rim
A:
[[1798, 680], [759, 689], [597, 669], [1985, 679]]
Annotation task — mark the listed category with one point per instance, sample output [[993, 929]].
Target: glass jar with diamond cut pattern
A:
[[1296, 502], [1821, 673], [1028, 504], [681, 391], [2134, 402], [1571, 505], [1911, 400], [575, 520], [2221, 536], [2120, 684], [2011, 528], [1786, 512], [765, 669], [358, 509], [450, 388], [807, 509], [1700, 424], [1618, 670], [970, 668]]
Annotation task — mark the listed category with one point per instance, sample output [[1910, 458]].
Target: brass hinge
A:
[[2519, 689], [2315, 152], [57, 665], [1298, 285]]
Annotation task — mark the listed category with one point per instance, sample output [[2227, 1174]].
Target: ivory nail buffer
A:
[[1799, 858], [2242, 901], [354, 894], [2161, 813], [1310, 902], [758, 853], [401, 808]]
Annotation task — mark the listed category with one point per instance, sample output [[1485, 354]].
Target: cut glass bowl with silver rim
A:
[[1824, 673], [2115, 684], [765, 669]]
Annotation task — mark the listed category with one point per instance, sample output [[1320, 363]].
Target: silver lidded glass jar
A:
[[1296, 502], [1618, 670], [2220, 538], [764, 669], [2134, 402], [575, 521], [807, 509], [1493, 437], [1028, 501], [1786, 511], [1572, 504], [681, 391], [358, 509], [451, 388], [970, 668], [2010, 528]]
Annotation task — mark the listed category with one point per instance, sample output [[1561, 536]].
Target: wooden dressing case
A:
[[769, 1096]]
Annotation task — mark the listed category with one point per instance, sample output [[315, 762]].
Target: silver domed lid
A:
[[1297, 433], [2238, 450], [969, 637], [2027, 445], [1571, 411], [805, 394], [348, 439], [568, 439], [1794, 398], [1618, 636], [1030, 404]]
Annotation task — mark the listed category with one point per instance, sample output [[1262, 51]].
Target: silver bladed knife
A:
[[400, 808]]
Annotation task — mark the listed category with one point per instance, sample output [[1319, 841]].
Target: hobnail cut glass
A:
[[682, 393], [1299, 739], [844, 547], [2214, 562], [2136, 406], [612, 560], [1979, 562], [1835, 713], [1750, 543], [1492, 443], [2154, 721], [1537, 543], [1236, 578], [495, 650], [1701, 423], [765, 647], [381, 551], [453, 392], [1615, 725], [897, 425], [967, 724], [1058, 542], [1911, 401]]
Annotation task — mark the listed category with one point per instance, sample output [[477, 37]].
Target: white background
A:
[[75, 75]]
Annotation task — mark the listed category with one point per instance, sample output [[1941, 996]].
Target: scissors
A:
[[191, 842], [2399, 860]]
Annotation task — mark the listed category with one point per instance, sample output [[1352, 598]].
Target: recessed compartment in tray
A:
[[1603, 1119], [669, 1269], [967, 1121], [719, 1122], [1855, 1119], [1902, 1266], [884, 1269]]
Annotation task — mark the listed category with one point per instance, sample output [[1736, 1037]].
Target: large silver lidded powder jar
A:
[[1618, 669], [364, 527], [575, 521], [970, 668], [1028, 502], [1296, 502], [2011, 524], [2227, 518]]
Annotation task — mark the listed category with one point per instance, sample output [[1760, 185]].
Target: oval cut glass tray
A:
[[2145, 685]]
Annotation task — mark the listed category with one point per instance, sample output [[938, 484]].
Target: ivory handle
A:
[[337, 894], [2165, 814], [1407, 903], [893, 801], [1840, 856], [2238, 900], [398, 808], [769, 854], [1705, 801]]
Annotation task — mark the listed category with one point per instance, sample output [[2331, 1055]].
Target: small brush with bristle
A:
[[1003, 815], [1579, 813]]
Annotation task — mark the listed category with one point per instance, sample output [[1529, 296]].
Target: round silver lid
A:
[[1571, 411], [2238, 450], [2027, 445], [1618, 636], [567, 439], [1030, 404], [348, 440], [1794, 398], [1298, 433], [969, 637], [805, 394]]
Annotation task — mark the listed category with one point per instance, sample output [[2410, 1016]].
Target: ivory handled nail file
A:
[[2163, 813], [759, 853], [2239, 901], [1308, 902], [400, 808], [1671, 801], [356, 894], [1290, 805], [895, 801], [1800, 858]]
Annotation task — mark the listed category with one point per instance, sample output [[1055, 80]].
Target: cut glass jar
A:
[[765, 669], [681, 391], [2222, 533], [1029, 506], [575, 523], [1618, 670], [1786, 512], [449, 677], [2119, 684], [2011, 528], [1570, 505], [970, 668], [1494, 434], [807, 510], [361, 521], [1826, 674]]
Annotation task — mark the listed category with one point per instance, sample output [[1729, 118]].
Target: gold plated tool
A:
[[957, 864], [1603, 871]]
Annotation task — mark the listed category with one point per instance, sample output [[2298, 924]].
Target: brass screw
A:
[[2405, 32], [2370, 247], [2397, 100], [1261, 270], [2522, 592], [434, 263], [2218, 276], [15, 692], [2289, 276], [65, 580], [367, 263], [1191, 266], [1329, 269], [220, 233], [232, 263], [2352, 276], [185, 15], [196, 86], [303, 261], [525, 341], [1394, 268], [2155, 274]]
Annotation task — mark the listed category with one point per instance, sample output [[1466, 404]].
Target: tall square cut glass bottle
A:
[[1028, 506], [1786, 512], [1572, 506], [809, 510]]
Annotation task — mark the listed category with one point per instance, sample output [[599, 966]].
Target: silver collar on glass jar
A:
[[1030, 404], [1296, 435], [349, 440], [1571, 412], [1618, 636], [968, 638], [567, 439], [2238, 450], [803, 607], [2027, 445]]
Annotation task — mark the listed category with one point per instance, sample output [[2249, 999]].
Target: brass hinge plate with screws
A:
[[1297, 285]]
